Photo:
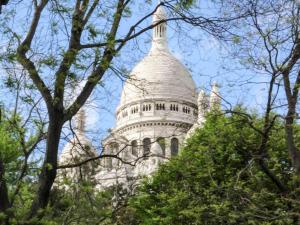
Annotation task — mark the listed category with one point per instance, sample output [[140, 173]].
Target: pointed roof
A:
[[80, 120], [215, 99]]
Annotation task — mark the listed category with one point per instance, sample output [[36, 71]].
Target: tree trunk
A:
[[292, 98], [4, 201], [293, 151], [48, 173]]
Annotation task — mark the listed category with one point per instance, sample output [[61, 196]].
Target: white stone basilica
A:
[[159, 107]]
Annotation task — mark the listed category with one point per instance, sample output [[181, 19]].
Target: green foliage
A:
[[92, 31], [8, 143], [10, 147], [80, 204], [20, 191], [186, 3], [10, 82], [50, 61], [217, 180]]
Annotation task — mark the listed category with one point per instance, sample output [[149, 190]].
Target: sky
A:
[[202, 54]]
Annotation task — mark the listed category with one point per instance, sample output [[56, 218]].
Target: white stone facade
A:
[[157, 109]]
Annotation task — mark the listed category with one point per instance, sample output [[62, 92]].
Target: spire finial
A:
[[159, 39], [202, 105], [80, 121], [215, 99]]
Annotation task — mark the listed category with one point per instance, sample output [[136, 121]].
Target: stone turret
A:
[[215, 98], [205, 104], [80, 120], [77, 150], [159, 40]]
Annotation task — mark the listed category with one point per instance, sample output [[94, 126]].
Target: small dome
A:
[[79, 148]]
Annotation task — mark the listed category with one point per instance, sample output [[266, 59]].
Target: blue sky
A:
[[205, 57]]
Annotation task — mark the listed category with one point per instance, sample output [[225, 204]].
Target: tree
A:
[[267, 44], [217, 179], [79, 203], [8, 148], [84, 40], [14, 166]]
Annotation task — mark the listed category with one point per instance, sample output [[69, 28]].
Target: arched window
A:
[[195, 113], [160, 106], [134, 148], [146, 146], [174, 146], [114, 148], [109, 162], [162, 143], [173, 107]]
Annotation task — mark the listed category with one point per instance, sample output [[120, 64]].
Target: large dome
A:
[[159, 88], [159, 76]]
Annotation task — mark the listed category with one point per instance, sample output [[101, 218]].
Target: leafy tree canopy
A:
[[217, 179], [17, 175]]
